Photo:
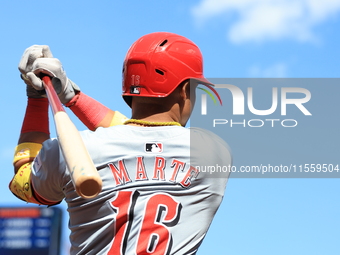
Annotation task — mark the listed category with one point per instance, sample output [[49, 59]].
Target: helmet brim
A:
[[203, 81]]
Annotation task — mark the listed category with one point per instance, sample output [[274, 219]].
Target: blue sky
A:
[[239, 39]]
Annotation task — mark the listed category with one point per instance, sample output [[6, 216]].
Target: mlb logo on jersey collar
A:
[[153, 147]]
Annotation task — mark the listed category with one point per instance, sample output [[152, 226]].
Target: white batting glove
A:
[[25, 65], [31, 54], [52, 67]]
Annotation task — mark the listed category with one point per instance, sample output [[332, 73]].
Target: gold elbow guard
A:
[[21, 184], [26, 150]]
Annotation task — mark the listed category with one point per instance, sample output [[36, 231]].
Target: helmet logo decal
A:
[[134, 90]]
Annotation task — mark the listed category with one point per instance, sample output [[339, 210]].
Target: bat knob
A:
[[89, 188]]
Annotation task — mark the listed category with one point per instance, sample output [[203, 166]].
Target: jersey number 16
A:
[[161, 212]]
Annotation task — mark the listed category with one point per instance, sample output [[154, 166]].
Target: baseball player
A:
[[154, 199]]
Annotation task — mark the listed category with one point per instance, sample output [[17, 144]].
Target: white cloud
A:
[[260, 20], [278, 70]]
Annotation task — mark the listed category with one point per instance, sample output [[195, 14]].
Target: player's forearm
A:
[[34, 131], [92, 113]]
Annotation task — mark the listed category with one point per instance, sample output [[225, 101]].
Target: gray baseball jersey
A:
[[156, 196]]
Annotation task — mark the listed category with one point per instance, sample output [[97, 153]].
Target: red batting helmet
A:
[[158, 62]]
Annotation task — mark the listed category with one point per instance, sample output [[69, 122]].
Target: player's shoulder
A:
[[99, 132], [198, 134], [51, 145], [208, 140]]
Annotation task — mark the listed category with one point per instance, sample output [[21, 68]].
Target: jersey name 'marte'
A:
[[179, 172]]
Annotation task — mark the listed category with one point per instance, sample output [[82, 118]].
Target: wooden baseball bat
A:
[[84, 174]]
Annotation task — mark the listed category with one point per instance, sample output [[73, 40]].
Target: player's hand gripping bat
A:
[[84, 174]]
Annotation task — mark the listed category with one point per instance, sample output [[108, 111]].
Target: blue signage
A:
[[30, 230]]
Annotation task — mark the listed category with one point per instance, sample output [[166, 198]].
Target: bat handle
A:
[[52, 96]]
